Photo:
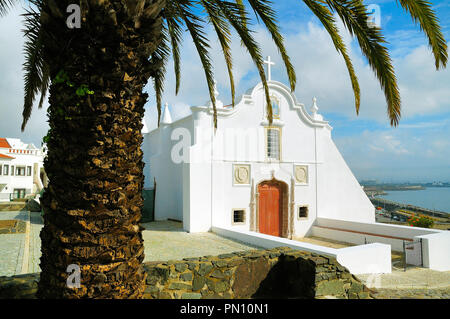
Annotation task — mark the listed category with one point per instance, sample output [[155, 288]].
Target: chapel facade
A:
[[248, 174]]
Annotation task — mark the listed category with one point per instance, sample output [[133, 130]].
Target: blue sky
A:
[[417, 150]]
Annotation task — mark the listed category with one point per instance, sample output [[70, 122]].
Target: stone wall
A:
[[276, 273]]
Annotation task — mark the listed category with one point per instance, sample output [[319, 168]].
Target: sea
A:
[[436, 198]]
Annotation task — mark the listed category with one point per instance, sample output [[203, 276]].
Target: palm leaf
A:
[[222, 29], [175, 33], [263, 9], [36, 77], [238, 18], [6, 5], [195, 26], [328, 21], [354, 16], [422, 13], [160, 56]]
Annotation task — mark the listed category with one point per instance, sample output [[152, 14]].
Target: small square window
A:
[[303, 212], [238, 216]]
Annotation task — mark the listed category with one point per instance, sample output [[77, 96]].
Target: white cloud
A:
[[11, 83]]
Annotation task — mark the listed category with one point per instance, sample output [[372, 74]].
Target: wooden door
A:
[[270, 209]]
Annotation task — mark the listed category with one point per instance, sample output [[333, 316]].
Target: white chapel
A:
[[248, 175]]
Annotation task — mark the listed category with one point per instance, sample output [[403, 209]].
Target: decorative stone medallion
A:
[[301, 174], [241, 174]]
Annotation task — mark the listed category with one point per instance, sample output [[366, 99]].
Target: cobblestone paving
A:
[[166, 240], [12, 246], [11, 254], [412, 293], [21, 215], [35, 242]]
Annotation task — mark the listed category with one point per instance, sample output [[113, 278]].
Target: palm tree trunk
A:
[[92, 205]]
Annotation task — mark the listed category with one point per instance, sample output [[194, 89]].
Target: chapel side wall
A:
[[339, 193], [196, 181], [168, 174]]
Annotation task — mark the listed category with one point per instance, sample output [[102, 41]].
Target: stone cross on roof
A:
[[269, 69]]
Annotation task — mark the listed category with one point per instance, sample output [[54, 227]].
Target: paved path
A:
[[12, 246], [36, 224], [166, 240], [412, 293], [412, 278]]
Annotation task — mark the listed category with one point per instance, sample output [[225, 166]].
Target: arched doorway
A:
[[272, 208]]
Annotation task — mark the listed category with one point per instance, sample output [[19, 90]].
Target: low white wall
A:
[[377, 228], [436, 251], [435, 242], [355, 238], [364, 259]]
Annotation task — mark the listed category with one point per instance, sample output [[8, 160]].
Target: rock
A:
[[332, 287], [179, 286], [191, 295], [204, 269], [186, 276], [356, 288], [218, 286], [180, 267], [198, 283]]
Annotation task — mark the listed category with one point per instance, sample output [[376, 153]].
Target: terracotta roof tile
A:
[[4, 143], [6, 156]]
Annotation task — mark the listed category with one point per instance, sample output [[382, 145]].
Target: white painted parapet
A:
[[436, 251], [364, 259]]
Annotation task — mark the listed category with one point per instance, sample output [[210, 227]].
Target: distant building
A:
[[21, 169]]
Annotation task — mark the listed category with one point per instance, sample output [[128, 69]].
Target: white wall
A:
[[339, 193], [32, 183], [377, 228], [157, 147], [435, 242], [365, 259], [436, 251]]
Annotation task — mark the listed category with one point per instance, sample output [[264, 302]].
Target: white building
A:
[[272, 184], [21, 169], [248, 175]]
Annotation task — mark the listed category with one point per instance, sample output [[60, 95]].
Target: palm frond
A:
[[195, 26], [175, 33], [238, 18], [36, 77], [222, 30], [263, 9], [6, 5], [328, 21], [422, 13], [354, 16], [160, 56]]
